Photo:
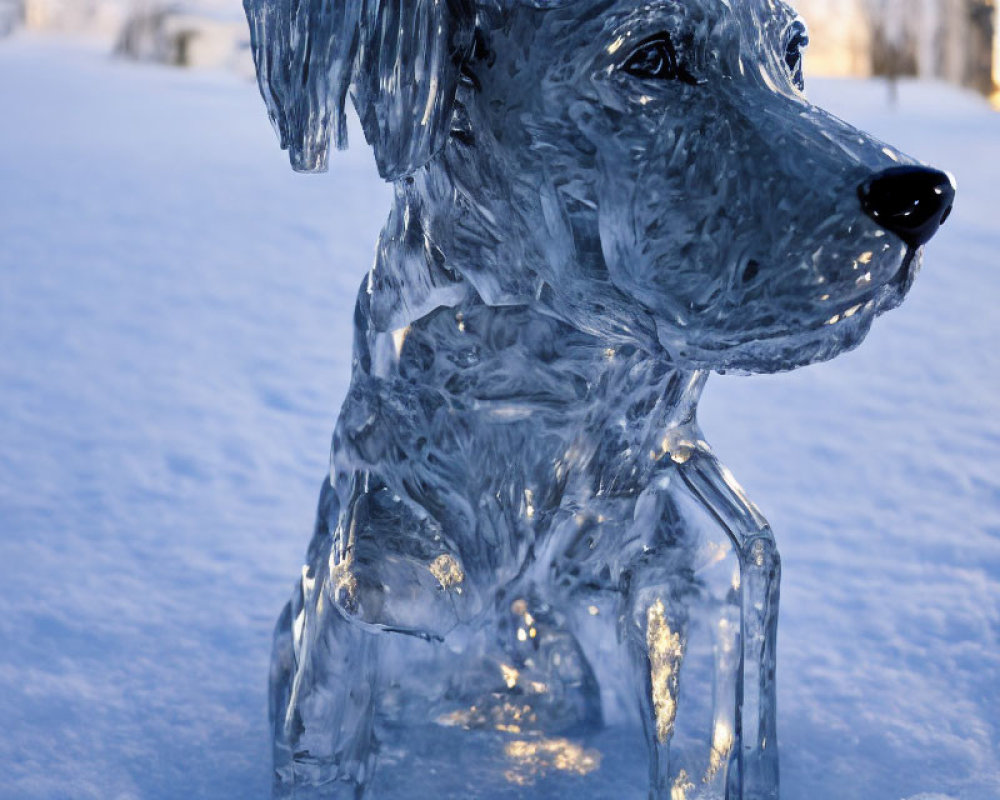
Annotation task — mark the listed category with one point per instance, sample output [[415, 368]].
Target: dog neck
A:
[[596, 395]]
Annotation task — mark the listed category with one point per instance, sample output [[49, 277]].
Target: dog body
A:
[[596, 204]]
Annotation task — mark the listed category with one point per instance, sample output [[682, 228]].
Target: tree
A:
[[949, 39]]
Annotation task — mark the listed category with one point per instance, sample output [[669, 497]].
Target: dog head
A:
[[657, 164]]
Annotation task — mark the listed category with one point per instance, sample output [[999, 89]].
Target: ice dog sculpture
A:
[[529, 575]]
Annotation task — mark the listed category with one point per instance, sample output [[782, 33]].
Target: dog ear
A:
[[305, 51], [400, 59]]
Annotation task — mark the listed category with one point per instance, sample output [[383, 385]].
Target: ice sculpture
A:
[[530, 577]]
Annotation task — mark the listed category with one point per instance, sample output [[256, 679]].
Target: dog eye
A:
[[797, 42], [655, 59]]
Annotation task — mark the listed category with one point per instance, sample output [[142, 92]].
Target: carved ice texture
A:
[[530, 577]]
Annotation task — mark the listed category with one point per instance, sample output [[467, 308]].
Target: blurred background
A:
[[175, 328], [953, 40]]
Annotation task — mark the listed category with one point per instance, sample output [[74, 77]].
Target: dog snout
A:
[[911, 202]]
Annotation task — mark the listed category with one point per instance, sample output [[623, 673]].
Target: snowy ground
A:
[[175, 315]]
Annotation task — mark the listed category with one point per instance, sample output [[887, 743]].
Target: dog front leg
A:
[[682, 626], [755, 776], [759, 754], [655, 632], [322, 701]]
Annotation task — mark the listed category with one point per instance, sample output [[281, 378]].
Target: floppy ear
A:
[[401, 60]]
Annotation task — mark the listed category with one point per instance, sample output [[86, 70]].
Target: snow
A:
[[175, 323]]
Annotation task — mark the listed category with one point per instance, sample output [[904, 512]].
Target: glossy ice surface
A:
[[526, 554]]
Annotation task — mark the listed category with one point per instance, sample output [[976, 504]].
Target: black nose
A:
[[911, 202]]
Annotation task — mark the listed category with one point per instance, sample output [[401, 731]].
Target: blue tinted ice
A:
[[530, 577]]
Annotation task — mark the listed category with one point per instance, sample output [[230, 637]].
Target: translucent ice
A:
[[530, 577]]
